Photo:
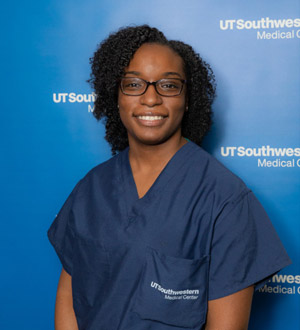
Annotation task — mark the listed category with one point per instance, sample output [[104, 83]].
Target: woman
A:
[[161, 236]]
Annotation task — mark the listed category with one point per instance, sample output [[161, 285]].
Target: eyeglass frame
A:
[[154, 84]]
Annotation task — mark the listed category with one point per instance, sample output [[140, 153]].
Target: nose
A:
[[151, 98]]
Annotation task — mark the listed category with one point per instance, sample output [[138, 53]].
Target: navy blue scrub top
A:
[[153, 263]]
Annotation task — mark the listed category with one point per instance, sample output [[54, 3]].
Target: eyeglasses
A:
[[163, 87]]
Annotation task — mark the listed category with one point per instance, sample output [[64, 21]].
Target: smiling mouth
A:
[[151, 118]]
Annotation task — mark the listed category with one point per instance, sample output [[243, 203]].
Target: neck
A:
[[154, 156]]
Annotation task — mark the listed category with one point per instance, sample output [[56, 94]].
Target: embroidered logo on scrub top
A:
[[176, 295]]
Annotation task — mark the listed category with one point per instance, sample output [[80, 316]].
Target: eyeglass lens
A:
[[137, 86]]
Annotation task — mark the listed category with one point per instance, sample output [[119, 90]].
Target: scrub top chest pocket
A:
[[173, 290]]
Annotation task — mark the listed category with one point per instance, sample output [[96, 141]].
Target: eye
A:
[[132, 84], [170, 84]]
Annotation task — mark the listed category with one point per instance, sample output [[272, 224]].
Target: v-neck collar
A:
[[131, 194]]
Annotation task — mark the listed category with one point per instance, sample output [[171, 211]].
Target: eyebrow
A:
[[165, 74], [172, 74], [136, 73]]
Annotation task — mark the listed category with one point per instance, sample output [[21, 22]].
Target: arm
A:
[[64, 312], [231, 312]]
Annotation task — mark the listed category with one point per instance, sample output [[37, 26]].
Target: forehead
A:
[[155, 58]]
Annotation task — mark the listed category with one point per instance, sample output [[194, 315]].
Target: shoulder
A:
[[102, 175], [215, 176], [104, 168]]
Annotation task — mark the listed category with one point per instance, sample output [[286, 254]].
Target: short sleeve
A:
[[245, 249], [60, 234]]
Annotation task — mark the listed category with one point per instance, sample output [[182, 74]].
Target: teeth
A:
[[150, 117]]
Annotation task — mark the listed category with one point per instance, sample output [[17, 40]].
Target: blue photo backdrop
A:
[[50, 138]]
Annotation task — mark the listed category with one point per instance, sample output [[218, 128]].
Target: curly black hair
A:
[[113, 56]]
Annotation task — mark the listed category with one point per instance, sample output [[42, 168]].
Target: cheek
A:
[[120, 100], [124, 116], [125, 109], [126, 103], [177, 107]]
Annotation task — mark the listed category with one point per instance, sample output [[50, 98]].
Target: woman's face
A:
[[151, 118]]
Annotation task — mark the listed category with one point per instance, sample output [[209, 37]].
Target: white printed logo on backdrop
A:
[[75, 98], [265, 28], [266, 156], [282, 284]]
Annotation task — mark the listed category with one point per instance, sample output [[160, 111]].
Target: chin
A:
[[153, 140], [153, 137]]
